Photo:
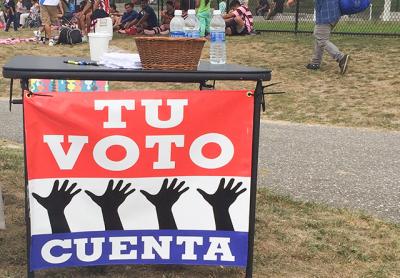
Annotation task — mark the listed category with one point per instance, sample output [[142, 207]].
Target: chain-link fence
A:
[[381, 18]]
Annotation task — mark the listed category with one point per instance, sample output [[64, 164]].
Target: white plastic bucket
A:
[[104, 25], [98, 43]]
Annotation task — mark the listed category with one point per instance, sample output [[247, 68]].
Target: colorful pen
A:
[[81, 63]]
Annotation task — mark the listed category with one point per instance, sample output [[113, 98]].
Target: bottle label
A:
[[217, 36], [193, 34], [177, 34]]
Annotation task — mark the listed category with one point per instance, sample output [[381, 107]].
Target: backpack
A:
[[353, 6], [69, 35]]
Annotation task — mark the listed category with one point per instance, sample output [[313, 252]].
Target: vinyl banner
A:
[[144, 177]]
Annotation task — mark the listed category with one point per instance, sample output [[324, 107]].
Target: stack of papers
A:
[[117, 60]]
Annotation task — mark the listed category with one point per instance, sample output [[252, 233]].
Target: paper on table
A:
[[121, 60]]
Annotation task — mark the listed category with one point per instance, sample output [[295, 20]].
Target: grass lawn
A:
[[367, 96]]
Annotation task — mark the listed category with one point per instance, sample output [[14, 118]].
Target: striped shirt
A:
[[244, 13]]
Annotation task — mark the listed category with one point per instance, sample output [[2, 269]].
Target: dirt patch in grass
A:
[[367, 96], [293, 239]]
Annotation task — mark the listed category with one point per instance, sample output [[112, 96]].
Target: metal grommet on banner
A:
[[249, 93], [28, 94]]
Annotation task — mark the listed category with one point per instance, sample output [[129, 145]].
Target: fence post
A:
[[370, 12], [296, 24]]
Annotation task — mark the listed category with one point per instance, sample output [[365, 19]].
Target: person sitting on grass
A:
[[147, 19], [166, 17], [19, 10], [93, 9], [239, 20], [114, 14], [33, 18], [129, 15], [113, 11]]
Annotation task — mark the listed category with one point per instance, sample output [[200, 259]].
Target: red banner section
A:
[[139, 134]]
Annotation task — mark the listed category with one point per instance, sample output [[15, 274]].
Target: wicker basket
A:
[[164, 53]]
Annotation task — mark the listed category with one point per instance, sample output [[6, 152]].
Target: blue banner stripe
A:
[[226, 248]]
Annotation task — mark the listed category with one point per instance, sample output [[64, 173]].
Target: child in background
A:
[[147, 19], [129, 15], [204, 16], [92, 10], [114, 14], [166, 17], [114, 11], [19, 9], [23, 16], [239, 20], [33, 19], [168, 13]]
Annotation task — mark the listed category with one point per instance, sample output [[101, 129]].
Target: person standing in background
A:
[[204, 16], [11, 15], [48, 16], [327, 14]]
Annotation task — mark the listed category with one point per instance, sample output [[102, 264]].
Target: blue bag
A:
[[353, 6]]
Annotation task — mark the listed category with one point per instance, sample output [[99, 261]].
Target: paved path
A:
[[343, 167]]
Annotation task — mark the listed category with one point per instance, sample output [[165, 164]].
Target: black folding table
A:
[[38, 67]]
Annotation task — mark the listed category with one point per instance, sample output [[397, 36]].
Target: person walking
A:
[[327, 16]]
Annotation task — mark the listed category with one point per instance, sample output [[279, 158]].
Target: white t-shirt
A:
[[49, 2]]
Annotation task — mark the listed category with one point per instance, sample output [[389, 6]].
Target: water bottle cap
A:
[[191, 11], [178, 12], [216, 12]]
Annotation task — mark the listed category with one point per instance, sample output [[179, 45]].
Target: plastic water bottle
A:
[[177, 24], [217, 43], [192, 25]]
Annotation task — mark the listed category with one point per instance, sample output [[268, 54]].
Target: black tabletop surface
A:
[[27, 67]]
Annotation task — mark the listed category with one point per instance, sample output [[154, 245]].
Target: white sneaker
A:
[[52, 42], [37, 34], [84, 39]]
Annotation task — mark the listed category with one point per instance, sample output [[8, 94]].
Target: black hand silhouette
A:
[[56, 203], [221, 200], [164, 200], [109, 203]]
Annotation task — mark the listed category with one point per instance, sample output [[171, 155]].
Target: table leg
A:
[[258, 102], [204, 86]]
